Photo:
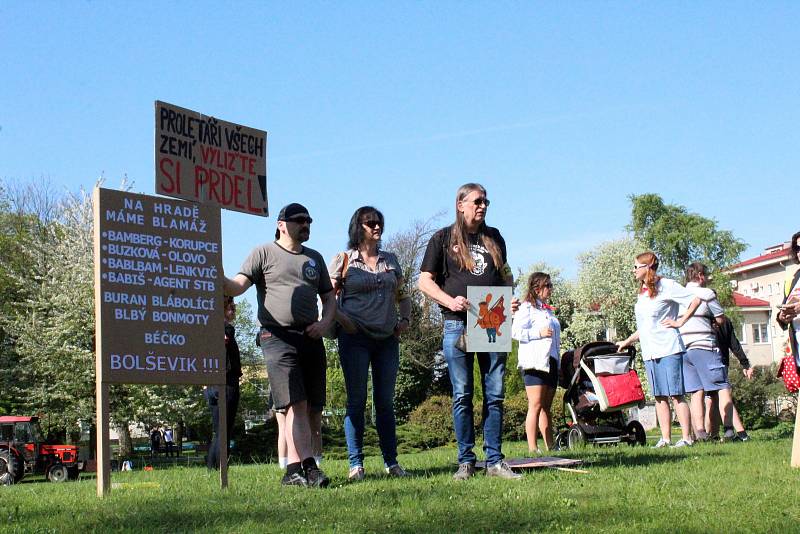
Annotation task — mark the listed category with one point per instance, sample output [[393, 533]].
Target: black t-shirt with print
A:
[[485, 272]]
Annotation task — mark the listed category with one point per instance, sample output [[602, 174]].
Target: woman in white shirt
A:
[[539, 334], [662, 347]]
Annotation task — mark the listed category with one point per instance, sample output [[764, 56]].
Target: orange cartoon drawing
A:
[[491, 317]]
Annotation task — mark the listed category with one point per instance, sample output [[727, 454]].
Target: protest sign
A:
[[158, 292], [488, 326], [210, 161]]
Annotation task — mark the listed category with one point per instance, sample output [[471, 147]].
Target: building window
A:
[[760, 333]]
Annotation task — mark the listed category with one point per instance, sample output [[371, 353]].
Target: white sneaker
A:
[[683, 443], [662, 443]]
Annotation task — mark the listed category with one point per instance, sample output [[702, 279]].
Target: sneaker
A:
[[396, 471], [295, 479], [662, 443], [729, 436], [502, 470], [713, 437], [316, 478], [356, 474], [465, 471], [742, 436], [682, 443]]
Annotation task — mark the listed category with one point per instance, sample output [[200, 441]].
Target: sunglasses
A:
[[300, 220], [636, 266], [480, 201], [372, 224]]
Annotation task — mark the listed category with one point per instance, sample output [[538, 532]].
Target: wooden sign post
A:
[[796, 439], [158, 301]]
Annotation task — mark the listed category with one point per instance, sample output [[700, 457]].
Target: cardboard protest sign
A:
[[210, 161], [158, 290], [488, 326]]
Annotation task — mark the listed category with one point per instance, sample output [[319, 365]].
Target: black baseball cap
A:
[[290, 210]]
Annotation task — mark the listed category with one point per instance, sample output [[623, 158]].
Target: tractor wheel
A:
[[636, 432], [57, 473], [576, 438], [12, 464]]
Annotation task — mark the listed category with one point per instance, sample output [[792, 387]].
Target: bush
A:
[[434, 417], [413, 385], [754, 397], [516, 409]]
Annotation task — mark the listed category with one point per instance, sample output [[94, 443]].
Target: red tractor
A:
[[24, 451]]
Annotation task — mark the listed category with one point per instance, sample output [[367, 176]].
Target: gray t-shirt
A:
[[369, 296], [287, 284]]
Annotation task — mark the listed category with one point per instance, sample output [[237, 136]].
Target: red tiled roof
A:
[[743, 301], [774, 255]]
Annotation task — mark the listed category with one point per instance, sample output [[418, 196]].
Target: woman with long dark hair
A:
[[534, 324], [657, 326], [370, 286]]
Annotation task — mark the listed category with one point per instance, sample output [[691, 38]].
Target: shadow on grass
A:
[[644, 458]]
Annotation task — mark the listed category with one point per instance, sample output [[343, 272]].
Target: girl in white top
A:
[[539, 334], [662, 348]]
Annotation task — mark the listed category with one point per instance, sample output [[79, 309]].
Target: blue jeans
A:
[[493, 367], [356, 353]]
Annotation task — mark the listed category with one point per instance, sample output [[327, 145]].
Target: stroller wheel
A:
[[576, 438], [561, 441], [636, 433]]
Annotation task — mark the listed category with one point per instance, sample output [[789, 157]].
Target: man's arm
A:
[[237, 285], [316, 329], [427, 284]]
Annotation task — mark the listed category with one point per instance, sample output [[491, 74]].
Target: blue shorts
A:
[[666, 375], [532, 377], [703, 369]]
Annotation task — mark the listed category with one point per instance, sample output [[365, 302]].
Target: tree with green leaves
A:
[[680, 237]]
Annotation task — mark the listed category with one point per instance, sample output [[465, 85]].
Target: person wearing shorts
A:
[[703, 368], [535, 323], [288, 278], [657, 326]]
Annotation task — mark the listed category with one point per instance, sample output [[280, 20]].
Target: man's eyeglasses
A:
[[300, 220], [480, 201], [372, 224]]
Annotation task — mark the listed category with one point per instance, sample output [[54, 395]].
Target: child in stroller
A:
[[600, 383]]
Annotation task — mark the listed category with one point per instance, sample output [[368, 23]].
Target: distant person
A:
[[169, 443], [288, 278], [155, 441], [703, 369], [233, 370], [657, 326], [469, 253], [789, 314], [371, 288], [535, 321]]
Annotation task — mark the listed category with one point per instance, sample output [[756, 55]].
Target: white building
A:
[[758, 290]]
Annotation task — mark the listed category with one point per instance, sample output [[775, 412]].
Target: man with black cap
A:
[[288, 277]]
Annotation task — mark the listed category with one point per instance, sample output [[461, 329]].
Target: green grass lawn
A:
[[741, 487]]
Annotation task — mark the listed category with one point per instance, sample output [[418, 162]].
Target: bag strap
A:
[[343, 271]]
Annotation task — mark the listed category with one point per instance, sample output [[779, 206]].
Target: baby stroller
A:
[[600, 383]]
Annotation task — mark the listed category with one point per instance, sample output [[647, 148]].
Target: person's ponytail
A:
[[650, 278]]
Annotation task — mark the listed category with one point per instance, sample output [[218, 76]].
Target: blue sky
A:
[[560, 109]]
